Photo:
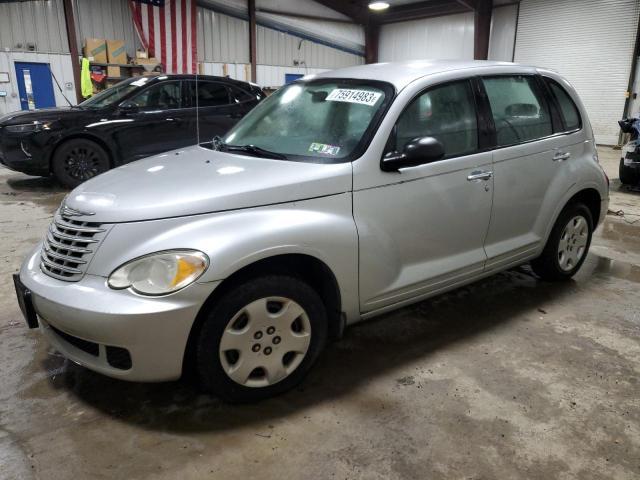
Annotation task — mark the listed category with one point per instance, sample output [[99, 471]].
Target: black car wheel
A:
[[628, 175], [261, 338], [78, 160], [567, 246]]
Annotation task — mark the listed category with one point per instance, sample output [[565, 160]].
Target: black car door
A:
[[218, 110], [154, 121]]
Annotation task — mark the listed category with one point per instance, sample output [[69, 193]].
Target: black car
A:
[[136, 118]]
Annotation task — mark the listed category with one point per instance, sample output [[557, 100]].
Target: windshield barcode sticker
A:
[[354, 96]]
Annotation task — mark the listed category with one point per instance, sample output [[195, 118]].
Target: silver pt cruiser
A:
[[342, 196]]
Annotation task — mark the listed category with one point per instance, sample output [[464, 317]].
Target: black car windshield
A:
[[115, 94], [322, 119]]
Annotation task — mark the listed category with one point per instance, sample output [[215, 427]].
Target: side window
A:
[[212, 94], [162, 96], [569, 110], [446, 113], [520, 113], [238, 95]]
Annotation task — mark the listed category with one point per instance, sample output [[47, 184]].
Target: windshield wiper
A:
[[251, 149]]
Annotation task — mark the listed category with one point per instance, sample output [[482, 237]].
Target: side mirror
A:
[[417, 152], [129, 107]]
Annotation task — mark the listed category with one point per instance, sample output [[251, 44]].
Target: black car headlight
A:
[[27, 127]]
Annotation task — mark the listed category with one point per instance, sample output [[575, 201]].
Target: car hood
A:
[[197, 180], [41, 115]]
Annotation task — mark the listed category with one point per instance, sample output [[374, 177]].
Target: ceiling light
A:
[[378, 6]]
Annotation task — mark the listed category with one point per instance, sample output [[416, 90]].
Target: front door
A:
[[422, 229], [35, 86]]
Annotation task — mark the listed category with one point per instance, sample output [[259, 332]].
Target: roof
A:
[[400, 74]]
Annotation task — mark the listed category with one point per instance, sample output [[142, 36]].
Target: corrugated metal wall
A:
[[222, 38], [278, 48], [591, 43], [38, 22], [108, 19], [448, 37]]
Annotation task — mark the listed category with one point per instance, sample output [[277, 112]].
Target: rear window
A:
[[569, 110]]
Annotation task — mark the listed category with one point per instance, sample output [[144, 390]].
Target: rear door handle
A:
[[176, 120], [479, 175], [561, 156]]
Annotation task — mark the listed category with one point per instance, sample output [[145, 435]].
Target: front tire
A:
[[628, 175], [261, 338], [78, 160], [567, 246]]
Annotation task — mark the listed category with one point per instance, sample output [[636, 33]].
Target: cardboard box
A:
[[142, 54], [116, 51], [95, 49], [113, 71]]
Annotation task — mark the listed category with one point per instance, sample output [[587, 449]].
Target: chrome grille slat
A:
[[65, 258], [56, 266], [65, 252], [51, 242], [67, 226], [70, 237]]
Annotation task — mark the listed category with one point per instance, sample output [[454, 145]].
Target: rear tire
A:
[[628, 175], [567, 246], [78, 160], [261, 338]]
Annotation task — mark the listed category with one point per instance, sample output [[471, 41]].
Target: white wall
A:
[[269, 76], [448, 37], [60, 66]]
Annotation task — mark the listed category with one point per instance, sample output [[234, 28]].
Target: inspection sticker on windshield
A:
[[324, 148], [354, 96]]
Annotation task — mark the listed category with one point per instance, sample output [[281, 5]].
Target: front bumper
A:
[[21, 154], [154, 330]]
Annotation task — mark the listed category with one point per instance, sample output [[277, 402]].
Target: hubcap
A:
[[265, 341], [573, 243], [82, 163]]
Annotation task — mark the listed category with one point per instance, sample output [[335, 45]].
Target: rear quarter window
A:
[[570, 112]]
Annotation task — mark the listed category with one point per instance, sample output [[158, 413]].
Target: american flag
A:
[[167, 28]]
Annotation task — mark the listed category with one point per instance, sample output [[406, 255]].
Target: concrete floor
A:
[[508, 378]]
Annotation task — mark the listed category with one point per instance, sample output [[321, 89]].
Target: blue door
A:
[[292, 77], [34, 85]]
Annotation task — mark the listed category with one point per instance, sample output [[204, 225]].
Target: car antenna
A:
[[59, 88]]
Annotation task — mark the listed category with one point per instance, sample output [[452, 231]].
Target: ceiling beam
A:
[[470, 4], [356, 10]]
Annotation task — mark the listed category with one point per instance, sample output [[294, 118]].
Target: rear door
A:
[[217, 108], [159, 123], [532, 167]]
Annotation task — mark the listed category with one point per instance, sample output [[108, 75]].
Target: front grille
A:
[[69, 246]]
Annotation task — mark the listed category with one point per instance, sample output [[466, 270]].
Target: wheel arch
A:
[[84, 136], [303, 266], [591, 198]]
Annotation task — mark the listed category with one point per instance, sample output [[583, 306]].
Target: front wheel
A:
[[261, 338], [78, 160], [567, 246]]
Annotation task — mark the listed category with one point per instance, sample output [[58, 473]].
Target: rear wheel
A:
[[261, 338], [78, 160], [567, 246], [628, 175]]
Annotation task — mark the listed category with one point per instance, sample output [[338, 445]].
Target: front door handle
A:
[[479, 175], [176, 120], [561, 156]]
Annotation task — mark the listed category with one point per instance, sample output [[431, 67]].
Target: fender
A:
[[322, 228]]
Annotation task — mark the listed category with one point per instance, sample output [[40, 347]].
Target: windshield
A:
[[326, 119], [115, 94]]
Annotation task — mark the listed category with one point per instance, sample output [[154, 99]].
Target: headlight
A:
[[27, 127], [160, 273]]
